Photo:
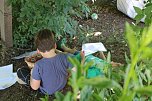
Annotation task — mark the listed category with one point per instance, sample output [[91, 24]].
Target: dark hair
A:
[[44, 41]]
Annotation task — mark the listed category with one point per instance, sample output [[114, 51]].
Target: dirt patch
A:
[[110, 22]]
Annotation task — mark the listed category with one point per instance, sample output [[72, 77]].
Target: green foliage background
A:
[[30, 16]]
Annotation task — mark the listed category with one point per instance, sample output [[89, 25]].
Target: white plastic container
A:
[[126, 6]]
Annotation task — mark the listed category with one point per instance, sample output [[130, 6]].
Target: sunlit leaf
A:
[[99, 82], [138, 10], [147, 53], [127, 97], [147, 90], [138, 18], [130, 35], [59, 96], [147, 36]]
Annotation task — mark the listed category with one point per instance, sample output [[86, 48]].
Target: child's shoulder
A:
[[65, 56], [60, 55]]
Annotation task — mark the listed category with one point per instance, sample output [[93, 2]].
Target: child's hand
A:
[[82, 54], [29, 64]]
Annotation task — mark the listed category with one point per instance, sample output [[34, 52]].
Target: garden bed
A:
[[110, 22]]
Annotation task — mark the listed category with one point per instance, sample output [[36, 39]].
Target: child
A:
[[49, 74], [98, 60]]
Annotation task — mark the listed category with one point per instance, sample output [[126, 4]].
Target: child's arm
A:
[[35, 84], [68, 50], [82, 57], [58, 51]]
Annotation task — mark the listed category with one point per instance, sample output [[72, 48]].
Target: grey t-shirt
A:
[[52, 72]]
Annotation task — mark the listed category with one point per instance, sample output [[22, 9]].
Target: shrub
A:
[[29, 16]]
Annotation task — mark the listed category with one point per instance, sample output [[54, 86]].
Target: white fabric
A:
[[90, 48], [126, 6], [7, 77]]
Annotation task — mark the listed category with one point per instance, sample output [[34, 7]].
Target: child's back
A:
[[52, 72]]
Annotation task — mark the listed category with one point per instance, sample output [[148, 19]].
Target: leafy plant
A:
[[144, 13], [46, 98], [30, 16], [139, 50]]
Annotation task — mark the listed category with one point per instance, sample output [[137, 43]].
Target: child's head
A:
[[44, 40]]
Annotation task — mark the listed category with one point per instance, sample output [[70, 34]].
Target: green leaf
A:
[[127, 59], [109, 57], [140, 81], [46, 98], [147, 36], [130, 35], [148, 75], [96, 97], [144, 90], [138, 17], [147, 53], [127, 97], [77, 65], [148, 10], [86, 93], [143, 76], [99, 82], [138, 10], [68, 97], [59, 96], [147, 21]]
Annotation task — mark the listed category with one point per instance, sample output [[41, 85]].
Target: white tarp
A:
[[90, 48], [7, 77], [127, 7], [27, 54]]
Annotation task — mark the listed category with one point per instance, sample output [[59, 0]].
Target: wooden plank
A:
[[6, 23]]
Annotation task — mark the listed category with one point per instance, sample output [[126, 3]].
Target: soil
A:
[[110, 23]]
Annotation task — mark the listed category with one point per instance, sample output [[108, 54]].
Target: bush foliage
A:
[[30, 16]]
